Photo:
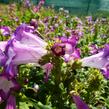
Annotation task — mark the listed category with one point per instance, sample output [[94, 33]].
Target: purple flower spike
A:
[[47, 68], [80, 104], [11, 102], [5, 30]]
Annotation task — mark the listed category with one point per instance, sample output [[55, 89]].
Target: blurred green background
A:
[[79, 7]]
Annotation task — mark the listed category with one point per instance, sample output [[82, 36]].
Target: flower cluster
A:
[[67, 38]]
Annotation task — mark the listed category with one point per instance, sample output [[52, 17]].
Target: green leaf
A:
[[72, 106], [24, 105]]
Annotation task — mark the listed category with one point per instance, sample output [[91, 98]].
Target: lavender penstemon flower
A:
[[22, 41], [99, 60]]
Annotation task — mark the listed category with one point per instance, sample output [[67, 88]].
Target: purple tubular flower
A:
[[76, 54], [47, 68], [5, 30], [80, 104], [28, 46], [7, 86], [24, 47], [11, 70], [99, 60], [11, 102], [66, 47]]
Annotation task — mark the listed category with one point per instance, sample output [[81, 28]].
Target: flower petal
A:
[[23, 35], [95, 61], [5, 84], [11, 102], [47, 68], [26, 54], [80, 104], [105, 71]]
